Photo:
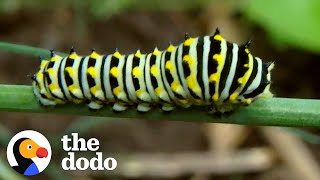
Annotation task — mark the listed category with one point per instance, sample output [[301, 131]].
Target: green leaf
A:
[[293, 22]]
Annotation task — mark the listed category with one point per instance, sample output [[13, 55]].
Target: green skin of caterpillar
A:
[[206, 71]]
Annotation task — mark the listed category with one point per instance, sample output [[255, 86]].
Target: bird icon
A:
[[24, 149]]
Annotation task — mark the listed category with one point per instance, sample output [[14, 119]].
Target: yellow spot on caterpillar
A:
[[51, 72], [170, 48], [214, 77], [139, 92], [114, 71], [183, 101], [243, 80], [218, 58], [191, 81], [138, 54], [73, 56], [40, 76], [136, 72], [188, 42], [233, 96], [142, 94], [43, 63], [117, 54], [70, 71], [247, 51], [158, 91], [154, 70], [187, 58], [215, 97], [94, 90], [218, 37], [240, 80], [92, 72], [175, 85], [77, 101], [193, 85], [95, 55], [156, 52], [72, 88], [169, 65], [55, 58], [117, 91], [52, 87], [246, 65]]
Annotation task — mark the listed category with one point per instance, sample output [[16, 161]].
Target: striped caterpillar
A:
[[205, 71]]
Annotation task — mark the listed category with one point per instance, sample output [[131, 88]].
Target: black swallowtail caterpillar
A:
[[207, 71]]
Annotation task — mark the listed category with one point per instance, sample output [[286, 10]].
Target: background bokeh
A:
[[286, 32]]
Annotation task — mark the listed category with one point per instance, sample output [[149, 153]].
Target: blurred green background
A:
[[286, 32]]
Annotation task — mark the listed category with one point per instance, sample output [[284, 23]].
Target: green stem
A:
[[23, 49], [271, 112]]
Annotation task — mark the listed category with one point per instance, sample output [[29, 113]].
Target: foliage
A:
[[289, 22], [293, 25]]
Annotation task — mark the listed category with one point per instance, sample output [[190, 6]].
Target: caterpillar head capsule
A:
[[42, 82], [38, 83]]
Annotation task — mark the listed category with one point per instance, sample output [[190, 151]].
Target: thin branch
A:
[[23, 49], [294, 152], [271, 112]]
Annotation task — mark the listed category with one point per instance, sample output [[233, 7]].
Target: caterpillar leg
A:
[[43, 101], [94, 105], [117, 107], [46, 102], [143, 108], [246, 102], [212, 109], [186, 105], [221, 109], [167, 107]]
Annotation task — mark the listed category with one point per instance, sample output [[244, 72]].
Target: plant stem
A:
[[271, 112], [23, 49]]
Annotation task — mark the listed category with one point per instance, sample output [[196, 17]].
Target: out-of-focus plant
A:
[[288, 22], [294, 23], [104, 8]]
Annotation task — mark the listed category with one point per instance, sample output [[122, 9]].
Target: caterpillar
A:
[[205, 71]]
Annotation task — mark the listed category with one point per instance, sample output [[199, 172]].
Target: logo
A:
[[74, 144], [29, 152]]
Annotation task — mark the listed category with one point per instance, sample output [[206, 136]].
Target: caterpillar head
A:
[[39, 86], [261, 86], [266, 80]]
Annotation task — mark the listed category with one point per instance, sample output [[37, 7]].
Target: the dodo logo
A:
[[29, 152]]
